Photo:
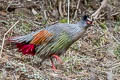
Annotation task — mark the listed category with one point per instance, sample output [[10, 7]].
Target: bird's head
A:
[[87, 20]]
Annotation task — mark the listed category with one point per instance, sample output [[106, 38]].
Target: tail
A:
[[21, 39], [22, 43]]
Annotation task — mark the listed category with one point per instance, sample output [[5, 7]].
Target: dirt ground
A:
[[96, 56]]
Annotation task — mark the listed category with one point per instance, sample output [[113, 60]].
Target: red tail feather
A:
[[26, 48]]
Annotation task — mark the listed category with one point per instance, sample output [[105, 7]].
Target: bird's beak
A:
[[90, 22]]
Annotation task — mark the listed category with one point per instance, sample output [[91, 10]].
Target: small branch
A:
[[60, 8], [3, 41], [115, 13], [103, 4], [34, 11], [75, 15], [45, 14], [68, 11]]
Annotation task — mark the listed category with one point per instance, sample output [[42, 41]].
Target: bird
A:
[[52, 41]]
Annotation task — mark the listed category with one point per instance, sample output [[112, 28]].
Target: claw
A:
[[53, 66], [57, 58]]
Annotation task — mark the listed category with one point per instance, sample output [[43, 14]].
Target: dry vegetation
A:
[[96, 56]]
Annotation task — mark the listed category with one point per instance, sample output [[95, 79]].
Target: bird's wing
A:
[[41, 37], [56, 46]]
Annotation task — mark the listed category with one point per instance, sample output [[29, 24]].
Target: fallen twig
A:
[[68, 11], [3, 41], [45, 14], [75, 15], [103, 4], [60, 8]]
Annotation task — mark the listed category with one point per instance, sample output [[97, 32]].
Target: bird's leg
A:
[[53, 66], [57, 58]]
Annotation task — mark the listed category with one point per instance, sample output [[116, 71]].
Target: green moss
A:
[[38, 16], [103, 25], [63, 21], [75, 46], [25, 26], [100, 41], [117, 26], [117, 51]]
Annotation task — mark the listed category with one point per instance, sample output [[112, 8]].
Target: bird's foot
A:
[[57, 58], [53, 66]]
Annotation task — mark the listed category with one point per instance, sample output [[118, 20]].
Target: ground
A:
[[95, 56]]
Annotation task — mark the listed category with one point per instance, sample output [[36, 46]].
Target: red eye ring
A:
[[89, 22]]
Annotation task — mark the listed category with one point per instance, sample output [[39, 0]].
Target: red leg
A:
[[53, 66], [57, 58]]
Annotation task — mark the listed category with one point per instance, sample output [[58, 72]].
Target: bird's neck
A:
[[82, 28], [82, 24]]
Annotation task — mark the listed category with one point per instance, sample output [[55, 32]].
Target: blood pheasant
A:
[[52, 41]]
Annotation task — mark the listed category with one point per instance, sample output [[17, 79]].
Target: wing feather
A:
[[41, 37]]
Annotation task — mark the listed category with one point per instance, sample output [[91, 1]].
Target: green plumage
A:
[[61, 43], [52, 47]]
